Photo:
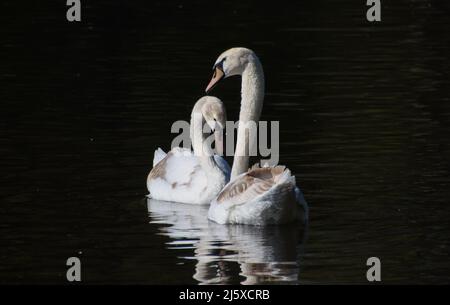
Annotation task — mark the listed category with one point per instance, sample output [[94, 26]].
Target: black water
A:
[[364, 113]]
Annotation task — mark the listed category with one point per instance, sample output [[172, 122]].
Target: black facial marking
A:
[[220, 64]]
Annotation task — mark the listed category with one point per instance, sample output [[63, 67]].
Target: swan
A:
[[193, 177], [256, 196]]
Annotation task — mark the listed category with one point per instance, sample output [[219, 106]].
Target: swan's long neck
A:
[[252, 97], [202, 149]]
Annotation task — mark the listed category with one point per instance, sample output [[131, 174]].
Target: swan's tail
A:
[[288, 179], [159, 155]]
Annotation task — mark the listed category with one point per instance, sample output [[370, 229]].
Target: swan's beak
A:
[[217, 76]]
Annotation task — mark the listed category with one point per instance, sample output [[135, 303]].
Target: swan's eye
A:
[[219, 64]]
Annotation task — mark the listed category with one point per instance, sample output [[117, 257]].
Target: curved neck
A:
[[202, 148], [252, 97]]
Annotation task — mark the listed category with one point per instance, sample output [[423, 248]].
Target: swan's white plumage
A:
[[182, 179], [261, 196]]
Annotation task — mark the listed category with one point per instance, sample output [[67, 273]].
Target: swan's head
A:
[[229, 63], [213, 111]]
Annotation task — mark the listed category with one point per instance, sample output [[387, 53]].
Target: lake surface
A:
[[364, 113]]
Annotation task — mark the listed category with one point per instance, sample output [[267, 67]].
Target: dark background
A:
[[364, 116]]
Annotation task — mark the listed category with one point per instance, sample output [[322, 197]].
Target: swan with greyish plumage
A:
[[256, 196], [196, 176]]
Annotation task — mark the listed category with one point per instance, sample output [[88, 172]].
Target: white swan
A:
[[193, 177], [257, 196]]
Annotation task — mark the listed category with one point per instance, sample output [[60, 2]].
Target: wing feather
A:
[[254, 183], [177, 168]]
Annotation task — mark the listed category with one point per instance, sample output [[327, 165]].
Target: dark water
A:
[[364, 113]]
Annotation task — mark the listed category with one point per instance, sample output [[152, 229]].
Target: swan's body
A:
[[261, 196], [258, 196], [191, 177]]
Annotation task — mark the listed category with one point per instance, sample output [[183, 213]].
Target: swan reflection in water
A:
[[267, 254]]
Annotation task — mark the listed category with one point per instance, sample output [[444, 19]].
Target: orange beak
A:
[[217, 76]]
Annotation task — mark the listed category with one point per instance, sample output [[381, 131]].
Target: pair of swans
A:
[[256, 196]]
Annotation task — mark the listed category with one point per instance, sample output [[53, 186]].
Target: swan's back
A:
[[177, 177], [267, 195]]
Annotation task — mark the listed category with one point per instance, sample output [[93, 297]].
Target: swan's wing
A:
[[158, 156], [177, 168], [243, 189], [178, 177], [256, 182], [223, 165]]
